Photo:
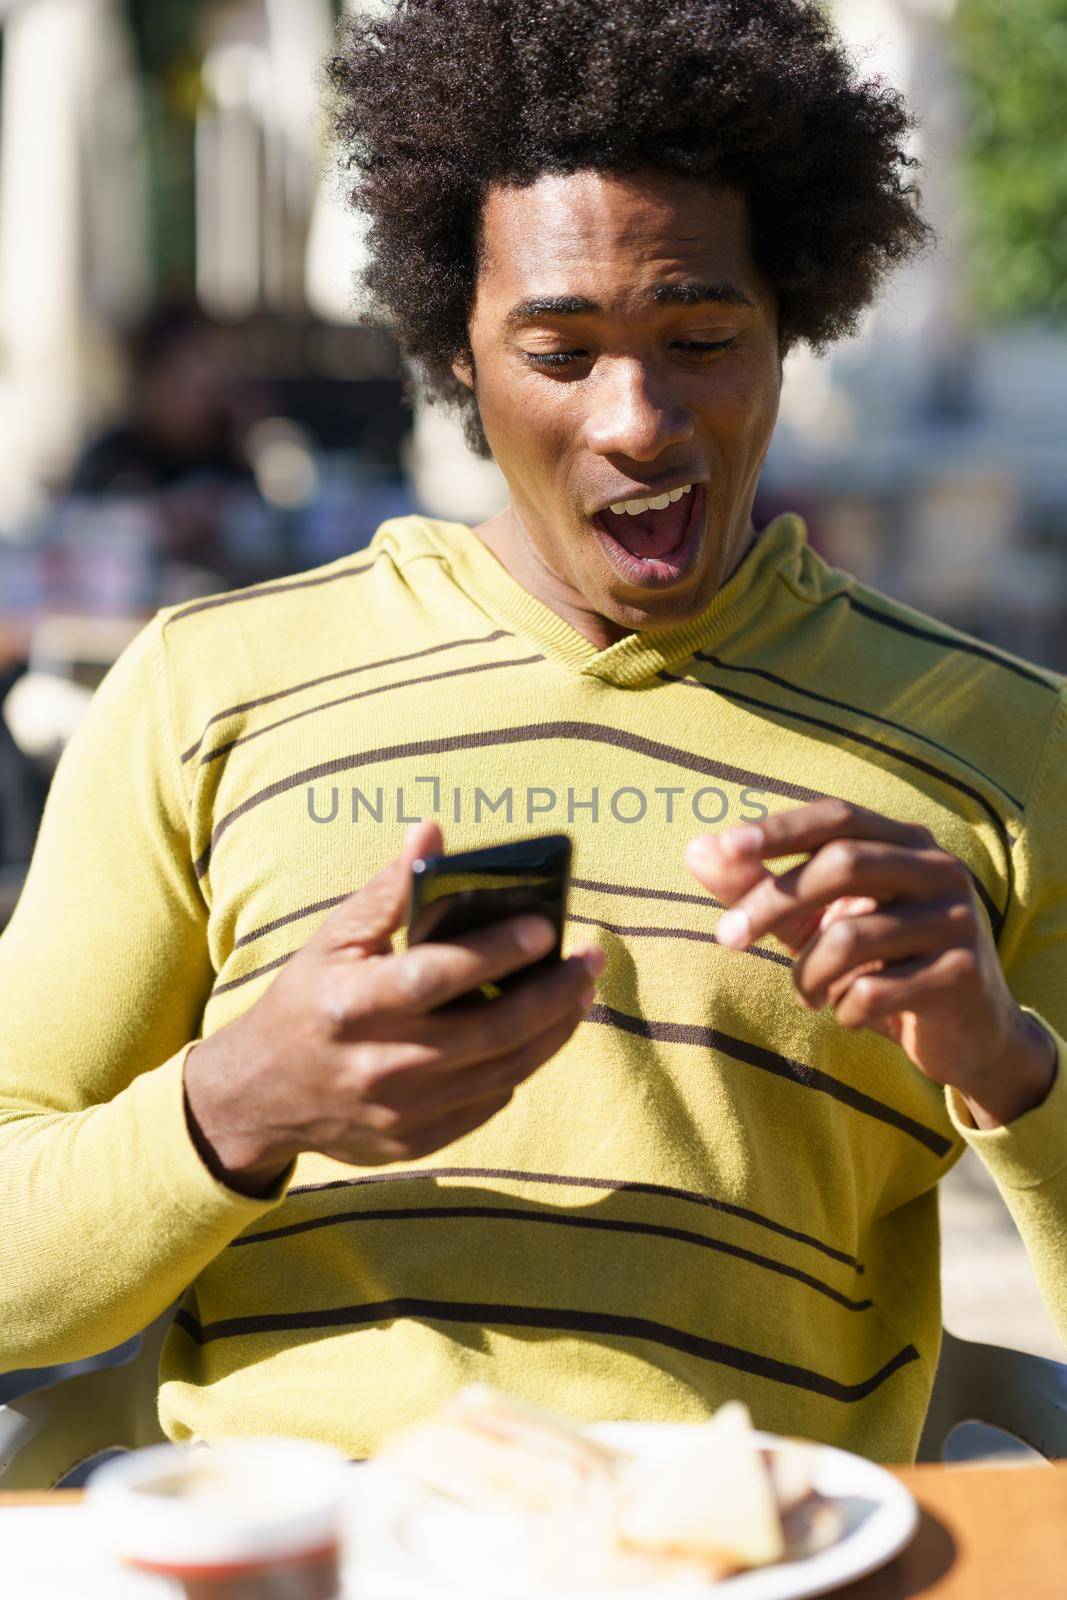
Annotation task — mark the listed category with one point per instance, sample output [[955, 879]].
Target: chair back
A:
[[1018, 1394], [45, 1434]]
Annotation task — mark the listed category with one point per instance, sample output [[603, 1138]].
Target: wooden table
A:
[[987, 1533]]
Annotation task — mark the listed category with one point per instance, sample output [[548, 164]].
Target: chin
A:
[[659, 607], [664, 612]]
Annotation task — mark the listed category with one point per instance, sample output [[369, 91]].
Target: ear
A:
[[463, 368]]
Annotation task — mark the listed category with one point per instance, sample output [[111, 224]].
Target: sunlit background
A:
[[189, 402]]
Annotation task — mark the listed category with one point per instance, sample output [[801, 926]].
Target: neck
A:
[[518, 554]]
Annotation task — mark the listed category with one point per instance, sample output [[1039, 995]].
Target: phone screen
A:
[[450, 895]]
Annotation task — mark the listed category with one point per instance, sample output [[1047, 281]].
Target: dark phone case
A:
[[450, 895]]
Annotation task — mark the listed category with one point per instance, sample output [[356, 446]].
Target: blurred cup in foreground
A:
[[241, 1520]]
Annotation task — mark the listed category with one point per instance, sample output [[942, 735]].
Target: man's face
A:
[[624, 347]]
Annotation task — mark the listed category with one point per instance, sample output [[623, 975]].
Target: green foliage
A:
[[162, 33], [164, 39], [1014, 59]]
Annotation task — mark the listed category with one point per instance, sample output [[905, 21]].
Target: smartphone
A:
[[451, 895]]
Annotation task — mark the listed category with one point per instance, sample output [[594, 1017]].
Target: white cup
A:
[[256, 1519]]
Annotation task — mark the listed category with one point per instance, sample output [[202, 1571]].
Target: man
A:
[[182, 421], [598, 227], [179, 452]]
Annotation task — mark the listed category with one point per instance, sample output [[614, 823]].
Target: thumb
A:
[[365, 920]]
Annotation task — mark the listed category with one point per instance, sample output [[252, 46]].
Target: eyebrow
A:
[[664, 294]]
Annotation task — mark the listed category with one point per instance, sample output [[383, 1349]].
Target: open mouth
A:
[[654, 541]]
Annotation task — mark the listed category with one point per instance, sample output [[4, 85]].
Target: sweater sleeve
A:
[[1028, 1157], [109, 1212]]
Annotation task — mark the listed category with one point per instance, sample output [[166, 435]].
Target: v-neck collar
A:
[[636, 657]]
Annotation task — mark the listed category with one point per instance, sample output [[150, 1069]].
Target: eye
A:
[[699, 347], [561, 359], [554, 358]]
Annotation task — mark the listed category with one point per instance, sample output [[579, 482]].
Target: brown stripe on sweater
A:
[[703, 900], [859, 711], [996, 916], [757, 1055], [364, 694], [265, 591], [556, 1219], [918, 762], [675, 933], [554, 1320], [572, 916], [291, 916], [332, 677], [593, 732], [247, 977], [645, 894], [562, 1180], [950, 644]]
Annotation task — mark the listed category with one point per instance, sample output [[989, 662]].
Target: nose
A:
[[633, 415]]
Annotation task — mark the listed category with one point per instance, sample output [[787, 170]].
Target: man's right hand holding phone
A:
[[344, 1055]]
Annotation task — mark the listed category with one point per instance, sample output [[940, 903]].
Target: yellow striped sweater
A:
[[708, 1192]]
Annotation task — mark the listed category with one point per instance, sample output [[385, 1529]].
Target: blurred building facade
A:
[[147, 150], [929, 451]]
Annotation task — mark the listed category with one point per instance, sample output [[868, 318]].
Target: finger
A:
[[798, 928], [844, 867], [889, 935], [436, 1135], [423, 1141], [847, 905], [803, 829], [442, 1042], [364, 920], [441, 1095], [426, 976], [905, 986], [524, 1011], [731, 879]]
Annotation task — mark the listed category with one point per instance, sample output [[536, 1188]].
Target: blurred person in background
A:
[[598, 226], [182, 445]]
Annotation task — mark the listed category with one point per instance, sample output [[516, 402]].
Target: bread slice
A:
[[712, 1499], [491, 1451]]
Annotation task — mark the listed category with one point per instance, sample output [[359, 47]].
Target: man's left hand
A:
[[887, 929]]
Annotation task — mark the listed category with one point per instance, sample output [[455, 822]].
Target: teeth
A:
[[629, 508], [634, 508]]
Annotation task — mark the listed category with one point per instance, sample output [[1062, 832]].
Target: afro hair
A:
[[434, 100]]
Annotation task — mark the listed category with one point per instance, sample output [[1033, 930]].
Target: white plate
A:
[[423, 1549]]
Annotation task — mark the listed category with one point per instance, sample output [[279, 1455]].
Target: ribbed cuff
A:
[[1032, 1149], [159, 1116]]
